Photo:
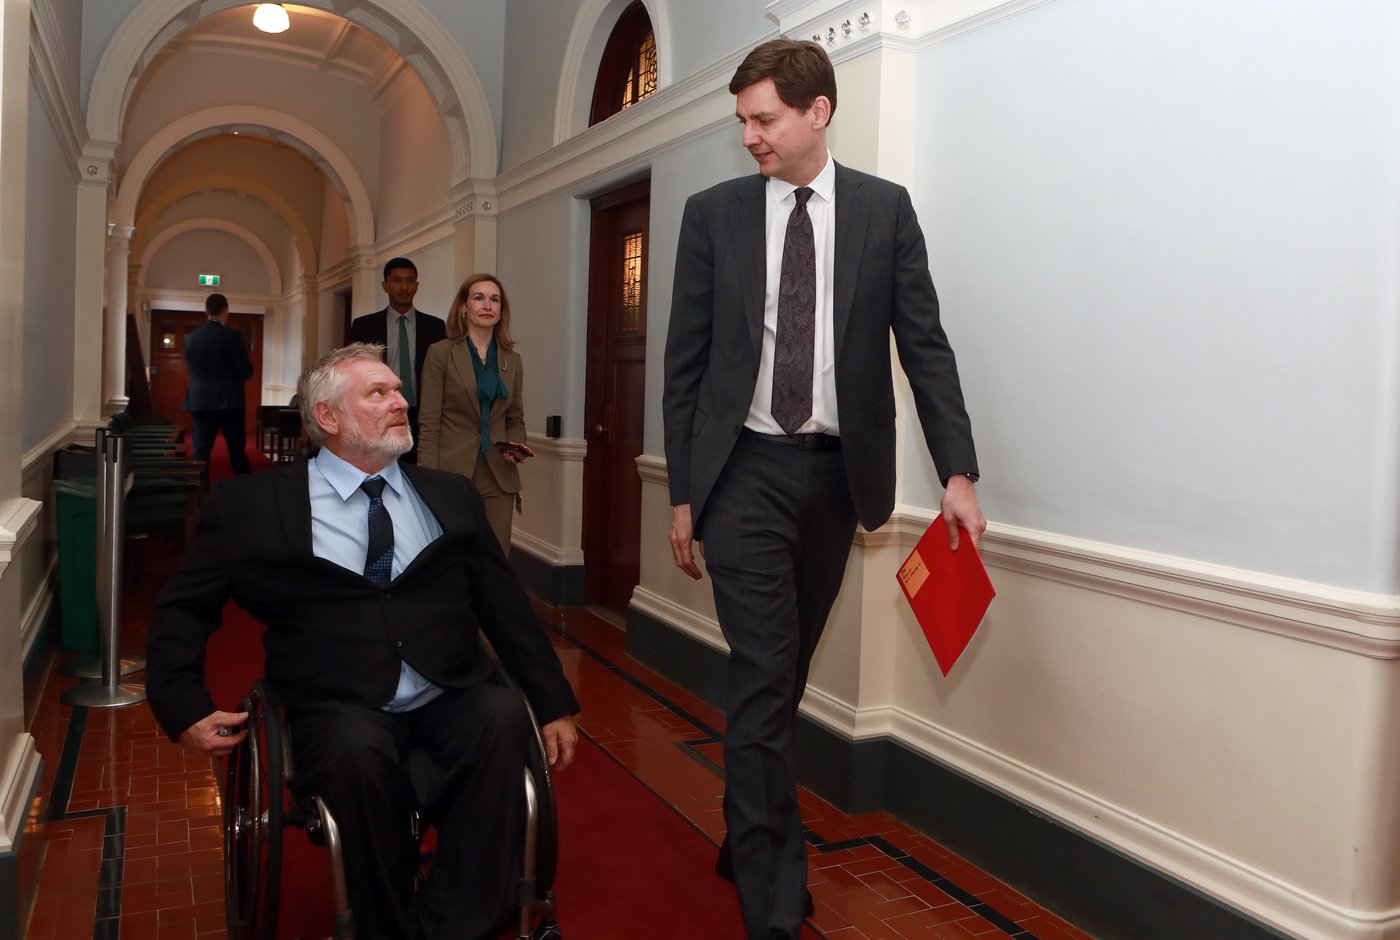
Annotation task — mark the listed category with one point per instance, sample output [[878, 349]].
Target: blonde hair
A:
[[457, 320]]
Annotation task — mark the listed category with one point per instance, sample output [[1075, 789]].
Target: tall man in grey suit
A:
[[779, 414], [218, 365]]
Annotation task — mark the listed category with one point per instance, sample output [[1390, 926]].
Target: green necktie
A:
[[406, 363]]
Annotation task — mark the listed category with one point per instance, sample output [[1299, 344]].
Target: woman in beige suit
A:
[[469, 404]]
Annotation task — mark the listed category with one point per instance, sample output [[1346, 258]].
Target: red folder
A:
[[949, 591]]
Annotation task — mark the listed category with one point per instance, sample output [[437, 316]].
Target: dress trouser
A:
[[777, 530], [353, 757], [208, 425], [499, 504]]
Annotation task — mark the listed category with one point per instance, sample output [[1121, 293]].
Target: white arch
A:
[[593, 24], [301, 235], [251, 238], [172, 135], [403, 25]]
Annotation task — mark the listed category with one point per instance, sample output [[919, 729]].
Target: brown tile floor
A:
[[130, 847]]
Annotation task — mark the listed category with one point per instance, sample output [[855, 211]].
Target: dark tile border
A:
[[1090, 884], [555, 585]]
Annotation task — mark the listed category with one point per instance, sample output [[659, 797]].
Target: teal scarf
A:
[[489, 387]]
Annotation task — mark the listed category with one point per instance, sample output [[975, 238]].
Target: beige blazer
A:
[[449, 413]]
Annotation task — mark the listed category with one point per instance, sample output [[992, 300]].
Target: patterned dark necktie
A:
[[797, 307], [379, 558]]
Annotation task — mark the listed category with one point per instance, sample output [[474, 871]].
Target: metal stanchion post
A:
[[90, 667], [111, 691]]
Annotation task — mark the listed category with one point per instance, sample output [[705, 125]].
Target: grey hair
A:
[[323, 381]]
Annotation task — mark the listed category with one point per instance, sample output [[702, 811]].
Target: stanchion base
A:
[[90, 667], [97, 695]]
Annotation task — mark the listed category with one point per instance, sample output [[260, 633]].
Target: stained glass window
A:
[[631, 282], [628, 71]]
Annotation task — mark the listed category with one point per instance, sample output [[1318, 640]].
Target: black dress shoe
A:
[[724, 866]]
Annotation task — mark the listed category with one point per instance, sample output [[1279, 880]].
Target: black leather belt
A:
[[802, 441]]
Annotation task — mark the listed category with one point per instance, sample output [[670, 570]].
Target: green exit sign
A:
[[209, 280]]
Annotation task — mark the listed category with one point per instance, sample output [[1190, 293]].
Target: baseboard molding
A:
[[556, 585], [1097, 887], [18, 874]]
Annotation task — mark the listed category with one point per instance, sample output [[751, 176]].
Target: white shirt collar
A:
[[345, 479], [824, 185]]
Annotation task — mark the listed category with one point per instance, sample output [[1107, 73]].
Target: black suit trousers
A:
[[354, 758], [777, 531], [229, 421]]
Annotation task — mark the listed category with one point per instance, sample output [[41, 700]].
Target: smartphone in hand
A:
[[515, 449]]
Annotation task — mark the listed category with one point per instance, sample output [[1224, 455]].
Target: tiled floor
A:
[[131, 847]]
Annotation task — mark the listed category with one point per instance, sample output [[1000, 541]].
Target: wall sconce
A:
[[271, 18]]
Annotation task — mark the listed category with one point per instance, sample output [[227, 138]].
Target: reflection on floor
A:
[[125, 833]]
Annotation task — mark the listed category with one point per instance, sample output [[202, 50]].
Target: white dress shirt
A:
[[821, 208]]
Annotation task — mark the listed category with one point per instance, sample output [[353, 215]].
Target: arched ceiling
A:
[[320, 41]]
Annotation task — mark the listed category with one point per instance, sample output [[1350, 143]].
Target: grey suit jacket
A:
[[881, 284], [449, 412]]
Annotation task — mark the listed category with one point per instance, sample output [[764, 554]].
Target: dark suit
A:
[[218, 365], [374, 328], [777, 519], [333, 644]]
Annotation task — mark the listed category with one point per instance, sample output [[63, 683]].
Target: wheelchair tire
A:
[[253, 809], [547, 833]]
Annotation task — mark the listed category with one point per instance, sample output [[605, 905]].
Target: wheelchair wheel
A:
[[253, 805], [547, 833]]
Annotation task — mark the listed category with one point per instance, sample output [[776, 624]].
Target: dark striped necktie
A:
[[379, 558]]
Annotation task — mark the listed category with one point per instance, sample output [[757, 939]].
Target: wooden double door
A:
[[170, 376]]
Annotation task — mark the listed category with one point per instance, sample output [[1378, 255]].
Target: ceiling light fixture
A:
[[271, 18]]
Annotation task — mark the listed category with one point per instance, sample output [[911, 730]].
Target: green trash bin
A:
[[76, 501]]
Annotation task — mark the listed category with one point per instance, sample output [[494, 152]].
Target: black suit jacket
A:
[[374, 328], [881, 284], [219, 365], [330, 633]]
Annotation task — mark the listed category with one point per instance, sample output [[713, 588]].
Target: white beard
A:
[[381, 450]]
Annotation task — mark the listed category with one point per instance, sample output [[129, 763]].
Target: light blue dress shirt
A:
[[340, 534]]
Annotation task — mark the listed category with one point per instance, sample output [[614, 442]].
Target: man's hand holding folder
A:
[[949, 590]]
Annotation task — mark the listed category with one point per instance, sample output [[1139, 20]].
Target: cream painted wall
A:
[[548, 283], [413, 159], [1172, 290], [179, 262], [335, 229], [47, 386]]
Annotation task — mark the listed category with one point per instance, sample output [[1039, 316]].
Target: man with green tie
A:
[[401, 329]]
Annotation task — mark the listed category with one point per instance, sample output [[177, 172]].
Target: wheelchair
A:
[[258, 805]]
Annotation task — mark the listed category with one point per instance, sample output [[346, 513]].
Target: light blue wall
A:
[[1165, 240]]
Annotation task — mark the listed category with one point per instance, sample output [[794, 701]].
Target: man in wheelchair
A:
[[372, 578]]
